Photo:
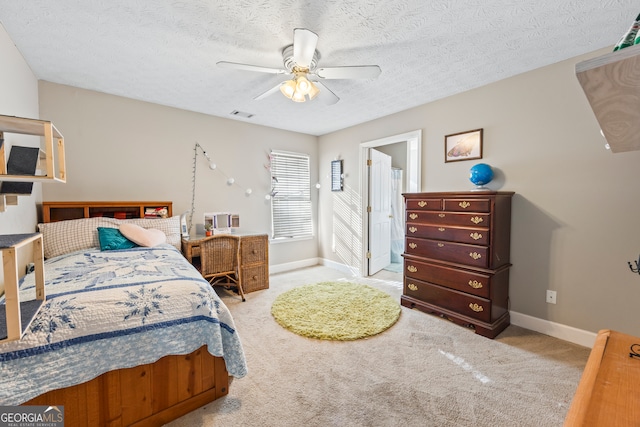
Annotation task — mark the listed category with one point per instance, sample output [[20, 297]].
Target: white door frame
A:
[[412, 179]]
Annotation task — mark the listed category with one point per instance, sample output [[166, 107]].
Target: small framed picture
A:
[[463, 146], [337, 177]]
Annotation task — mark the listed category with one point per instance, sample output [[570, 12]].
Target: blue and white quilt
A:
[[111, 310]]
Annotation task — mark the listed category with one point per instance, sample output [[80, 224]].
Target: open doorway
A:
[[405, 150]]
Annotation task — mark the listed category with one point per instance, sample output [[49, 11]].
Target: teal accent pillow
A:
[[112, 239]]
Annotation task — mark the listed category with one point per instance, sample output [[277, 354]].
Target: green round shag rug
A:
[[339, 311]]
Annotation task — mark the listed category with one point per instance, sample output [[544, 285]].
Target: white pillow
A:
[[148, 237]]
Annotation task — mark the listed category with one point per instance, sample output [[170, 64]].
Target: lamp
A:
[[299, 86], [298, 97], [303, 85], [314, 91], [288, 88]]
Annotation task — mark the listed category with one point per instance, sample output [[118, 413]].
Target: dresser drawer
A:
[[253, 249], [449, 218], [426, 204], [476, 236], [460, 302], [477, 256], [467, 205], [475, 283], [254, 278]]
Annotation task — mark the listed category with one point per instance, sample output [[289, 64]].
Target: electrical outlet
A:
[[551, 297]]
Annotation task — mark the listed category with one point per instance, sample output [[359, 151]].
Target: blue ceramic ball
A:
[[481, 174]]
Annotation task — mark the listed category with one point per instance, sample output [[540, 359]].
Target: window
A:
[[290, 196]]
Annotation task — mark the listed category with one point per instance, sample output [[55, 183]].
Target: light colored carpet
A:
[[340, 311], [423, 371]]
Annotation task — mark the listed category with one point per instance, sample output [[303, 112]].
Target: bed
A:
[[129, 336]]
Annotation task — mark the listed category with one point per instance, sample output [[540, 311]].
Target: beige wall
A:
[[575, 212], [123, 149], [18, 97]]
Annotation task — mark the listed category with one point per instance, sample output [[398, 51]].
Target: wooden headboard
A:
[[60, 211]]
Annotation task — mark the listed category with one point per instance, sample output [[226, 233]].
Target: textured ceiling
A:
[[165, 51]]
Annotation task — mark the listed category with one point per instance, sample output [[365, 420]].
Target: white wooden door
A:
[[380, 215]]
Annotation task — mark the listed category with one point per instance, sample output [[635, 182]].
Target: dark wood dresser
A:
[[456, 259]]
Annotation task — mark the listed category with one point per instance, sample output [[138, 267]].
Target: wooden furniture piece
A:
[[146, 395], [611, 83], [19, 314], [60, 211], [254, 258], [219, 256], [607, 394], [456, 259], [51, 166]]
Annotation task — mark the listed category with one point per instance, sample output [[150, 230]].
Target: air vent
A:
[[241, 114]]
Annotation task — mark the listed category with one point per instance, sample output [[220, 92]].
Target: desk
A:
[[254, 258], [607, 394]]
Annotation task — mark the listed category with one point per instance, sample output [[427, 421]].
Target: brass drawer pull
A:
[[412, 287], [422, 203], [413, 245], [441, 245], [413, 216], [475, 307], [475, 255], [412, 269], [475, 284], [464, 205], [413, 229], [475, 236], [476, 220], [442, 215], [441, 229]]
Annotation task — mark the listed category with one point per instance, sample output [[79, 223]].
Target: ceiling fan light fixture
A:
[[298, 97], [303, 85], [288, 88], [313, 91]]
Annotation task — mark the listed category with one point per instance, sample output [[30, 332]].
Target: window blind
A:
[[291, 197]]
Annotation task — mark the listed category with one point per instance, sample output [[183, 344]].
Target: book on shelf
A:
[[159, 212]]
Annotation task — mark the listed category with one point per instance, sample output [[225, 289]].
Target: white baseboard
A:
[[281, 268], [339, 266], [547, 327], [553, 329]]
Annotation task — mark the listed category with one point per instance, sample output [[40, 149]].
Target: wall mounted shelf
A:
[[51, 161], [16, 315]]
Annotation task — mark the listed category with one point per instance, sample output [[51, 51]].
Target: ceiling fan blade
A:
[[304, 46], [271, 91], [355, 72], [247, 67], [325, 95]]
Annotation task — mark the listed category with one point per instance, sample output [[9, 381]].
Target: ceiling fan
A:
[[301, 62]]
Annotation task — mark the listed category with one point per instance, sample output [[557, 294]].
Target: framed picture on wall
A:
[[337, 177], [463, 146]]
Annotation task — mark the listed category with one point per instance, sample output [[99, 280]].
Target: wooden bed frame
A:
[[145, 395]]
